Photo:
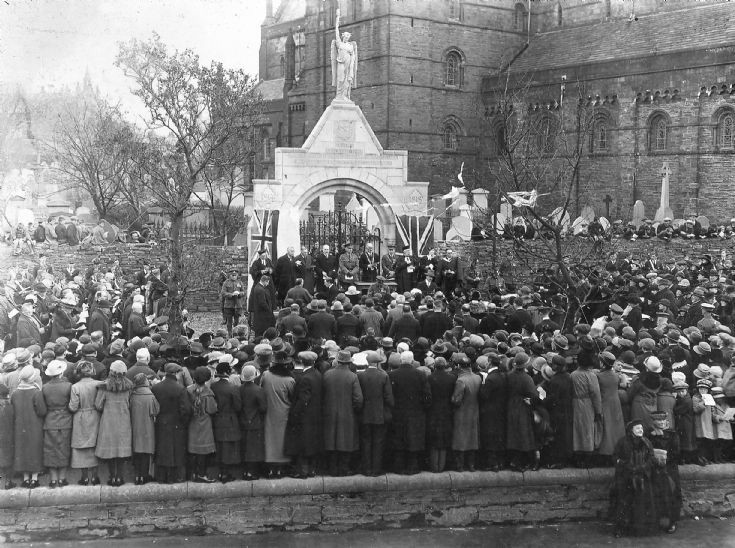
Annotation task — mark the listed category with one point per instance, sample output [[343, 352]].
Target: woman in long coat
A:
[[439, 420], [304, 432], [633, 505], [201, 435], [613, 427], [171, 425], [115, 436], [466, 436], [559, 395], [493, 414], [643, 393], [225, 421], [143, 411], [521, 394], [252, 422], [586, 407], [57, 424], [85, 423], [29, 408], [278, 386]]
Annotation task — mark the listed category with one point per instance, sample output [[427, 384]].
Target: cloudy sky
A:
[[52, 42]]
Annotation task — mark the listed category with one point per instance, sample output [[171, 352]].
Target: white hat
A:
[[55, 368], [653, 364]]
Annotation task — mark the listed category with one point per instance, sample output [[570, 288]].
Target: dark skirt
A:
[[57, 448], [253, 445], [228, 452]]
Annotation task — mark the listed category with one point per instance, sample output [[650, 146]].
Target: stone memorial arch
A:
[[341, 153]]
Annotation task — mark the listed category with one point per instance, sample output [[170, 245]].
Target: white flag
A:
[[459, 175], [452, 195]]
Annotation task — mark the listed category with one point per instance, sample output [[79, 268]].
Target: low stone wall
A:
[[450, 499]]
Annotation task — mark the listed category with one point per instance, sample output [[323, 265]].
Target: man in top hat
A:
[[369, 263], [349, 266], [232, 294], [342, 401], [388, 263], [285, 272]]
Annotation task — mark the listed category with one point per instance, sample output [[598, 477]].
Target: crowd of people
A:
[[423, 369], [33, 237]]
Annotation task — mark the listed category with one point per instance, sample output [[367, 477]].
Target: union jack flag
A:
[[264, 232], [417, 232]]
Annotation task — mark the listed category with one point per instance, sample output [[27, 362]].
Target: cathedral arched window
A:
[[451, 130], [600, 134], [453, 69], [658, 133], [546, 129], [726, 131]]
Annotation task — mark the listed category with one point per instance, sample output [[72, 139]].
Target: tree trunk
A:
[[175, 321]]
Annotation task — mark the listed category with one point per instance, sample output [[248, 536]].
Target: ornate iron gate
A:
[[336, 228]]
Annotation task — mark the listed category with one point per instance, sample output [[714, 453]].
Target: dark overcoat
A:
[[493, 411], [520, 413], [377, 394], [304, 429], [172, 422], [412, 398], [225, 421], [342, 400], [252, 423], [261, 305], [439, 422]]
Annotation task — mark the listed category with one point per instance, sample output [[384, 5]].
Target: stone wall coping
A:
[[319, 485]]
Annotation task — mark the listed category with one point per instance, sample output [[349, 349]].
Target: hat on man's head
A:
[[520, 361], [386, 342], [616, 308], [171, 368], [344, 357], [55, 368], [23, 357], [702, 348]]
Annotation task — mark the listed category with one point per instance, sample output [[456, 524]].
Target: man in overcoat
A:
[[171, 425], [375, 416], [412, 397], [285, 274], [342, 400], [304, 429], [261, 306]]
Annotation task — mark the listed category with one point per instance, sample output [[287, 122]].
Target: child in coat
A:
[[703, 425], [722, 426], [144, 408], [684, 418]]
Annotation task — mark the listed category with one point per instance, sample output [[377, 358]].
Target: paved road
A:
[[702, 533]]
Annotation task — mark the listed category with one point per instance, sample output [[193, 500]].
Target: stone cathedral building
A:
[[661, 74]]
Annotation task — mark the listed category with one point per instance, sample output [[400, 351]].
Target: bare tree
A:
[[91, 144], [536, 151], [201, 113]]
